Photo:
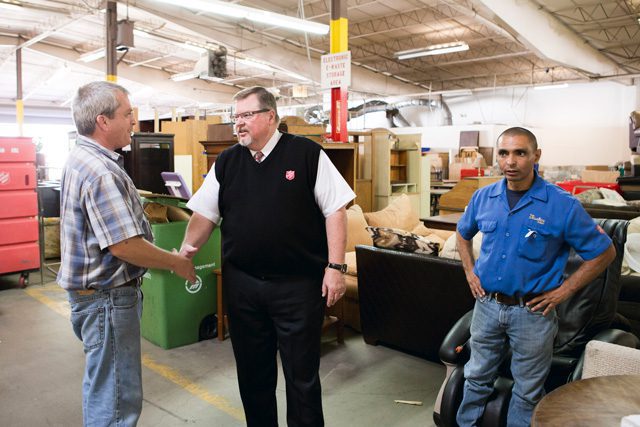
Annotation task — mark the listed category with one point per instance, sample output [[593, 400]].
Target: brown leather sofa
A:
[[409, 301], [612, 212]]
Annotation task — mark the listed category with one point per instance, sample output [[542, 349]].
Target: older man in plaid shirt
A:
[[106, 247]]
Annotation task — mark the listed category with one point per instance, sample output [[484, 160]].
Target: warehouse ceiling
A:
[[511, 43]]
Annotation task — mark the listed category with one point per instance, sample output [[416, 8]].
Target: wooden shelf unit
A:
[[343, 156], [399, 170]]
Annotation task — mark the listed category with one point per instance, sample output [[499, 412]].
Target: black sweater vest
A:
[[271, 224]]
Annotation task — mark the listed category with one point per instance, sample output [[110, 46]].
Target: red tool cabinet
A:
[[19, 235]]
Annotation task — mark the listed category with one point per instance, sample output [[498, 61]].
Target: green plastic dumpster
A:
[[176, 312]]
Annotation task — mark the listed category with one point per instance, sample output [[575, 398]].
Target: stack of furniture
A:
[[458, 197], [19, 235], [187, 137], [390, 165]]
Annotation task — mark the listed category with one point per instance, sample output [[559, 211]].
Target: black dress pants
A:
[[270, 315]]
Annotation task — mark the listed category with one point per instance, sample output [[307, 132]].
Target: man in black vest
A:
[[282, 203]]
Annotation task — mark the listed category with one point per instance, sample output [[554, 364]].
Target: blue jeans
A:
[[494, 328], [108, 324]]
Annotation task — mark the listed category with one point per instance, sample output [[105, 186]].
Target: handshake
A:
[[183, 264]]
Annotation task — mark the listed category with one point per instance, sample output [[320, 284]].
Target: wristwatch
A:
[[340, 267]]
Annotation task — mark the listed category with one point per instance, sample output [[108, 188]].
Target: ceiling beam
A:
[[544, 33], [197, 90], [259, 46]]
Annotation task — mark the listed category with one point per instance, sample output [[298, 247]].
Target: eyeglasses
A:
[[247, 115]]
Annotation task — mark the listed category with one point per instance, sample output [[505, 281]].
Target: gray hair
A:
[[265, 98], [518, 131], [92, 100]]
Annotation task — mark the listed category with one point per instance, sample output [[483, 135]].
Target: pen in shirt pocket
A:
[[530, 233]]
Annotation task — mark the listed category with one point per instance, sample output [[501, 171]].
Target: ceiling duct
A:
[[316, 114]]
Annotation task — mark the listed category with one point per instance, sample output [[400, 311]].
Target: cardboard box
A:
[[599, 176]]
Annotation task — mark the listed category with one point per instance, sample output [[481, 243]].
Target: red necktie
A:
[[258, 156]]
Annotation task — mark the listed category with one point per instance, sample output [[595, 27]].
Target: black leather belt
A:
[[512, 299]]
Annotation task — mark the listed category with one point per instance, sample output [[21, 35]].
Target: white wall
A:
[[583, 124]]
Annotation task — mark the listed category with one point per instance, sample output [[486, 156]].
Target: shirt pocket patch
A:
[[488, 229], [533, 243]]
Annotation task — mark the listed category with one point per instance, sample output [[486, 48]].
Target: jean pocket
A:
[[483, 298], [125, 299], [88, 325]]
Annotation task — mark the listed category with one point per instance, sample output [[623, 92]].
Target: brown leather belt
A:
[[135, 282], [512, 299]]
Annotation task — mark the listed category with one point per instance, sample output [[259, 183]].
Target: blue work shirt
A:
[[525, 249]]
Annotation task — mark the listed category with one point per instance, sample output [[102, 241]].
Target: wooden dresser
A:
[[458, 197]]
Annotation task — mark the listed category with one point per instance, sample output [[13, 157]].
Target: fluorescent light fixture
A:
[[552, 86], [93, 55], [10, 5], [436, 49], [262, 16], [179, 77]]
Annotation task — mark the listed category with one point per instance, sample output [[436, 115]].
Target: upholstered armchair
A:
[[590, 314]]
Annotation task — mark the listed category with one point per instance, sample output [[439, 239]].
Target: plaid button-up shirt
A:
[[99, 207]]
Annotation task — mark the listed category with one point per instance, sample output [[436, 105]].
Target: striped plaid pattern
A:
[[99, 207]]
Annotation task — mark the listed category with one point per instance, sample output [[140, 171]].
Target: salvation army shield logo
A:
[[290, 175]]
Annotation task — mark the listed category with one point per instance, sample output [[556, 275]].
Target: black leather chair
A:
[[590, 313]]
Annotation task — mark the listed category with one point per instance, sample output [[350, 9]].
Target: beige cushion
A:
[[450, 248], [602, 358], [421, 230], [393, 238], [356, 229], [398, 214], [350, 260]]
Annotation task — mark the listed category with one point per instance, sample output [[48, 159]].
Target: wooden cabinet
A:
[[343, 156], [188, 135], [363, 141], [213, 149], [149, 155]]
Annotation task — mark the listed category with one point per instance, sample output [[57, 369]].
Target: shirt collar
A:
[[270, 145], [83, 140], [538, 190]]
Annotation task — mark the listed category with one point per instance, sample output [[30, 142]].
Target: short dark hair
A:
[[518, 131], [266, 98]]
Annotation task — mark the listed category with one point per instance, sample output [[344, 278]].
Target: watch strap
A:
[[340, 267]]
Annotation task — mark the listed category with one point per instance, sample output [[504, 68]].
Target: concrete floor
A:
[[41, 367]]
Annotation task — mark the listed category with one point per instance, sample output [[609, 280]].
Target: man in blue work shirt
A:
[[528, 226]]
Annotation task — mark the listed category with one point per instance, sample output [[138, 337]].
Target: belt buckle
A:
[[85, 292], [498, 297]]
